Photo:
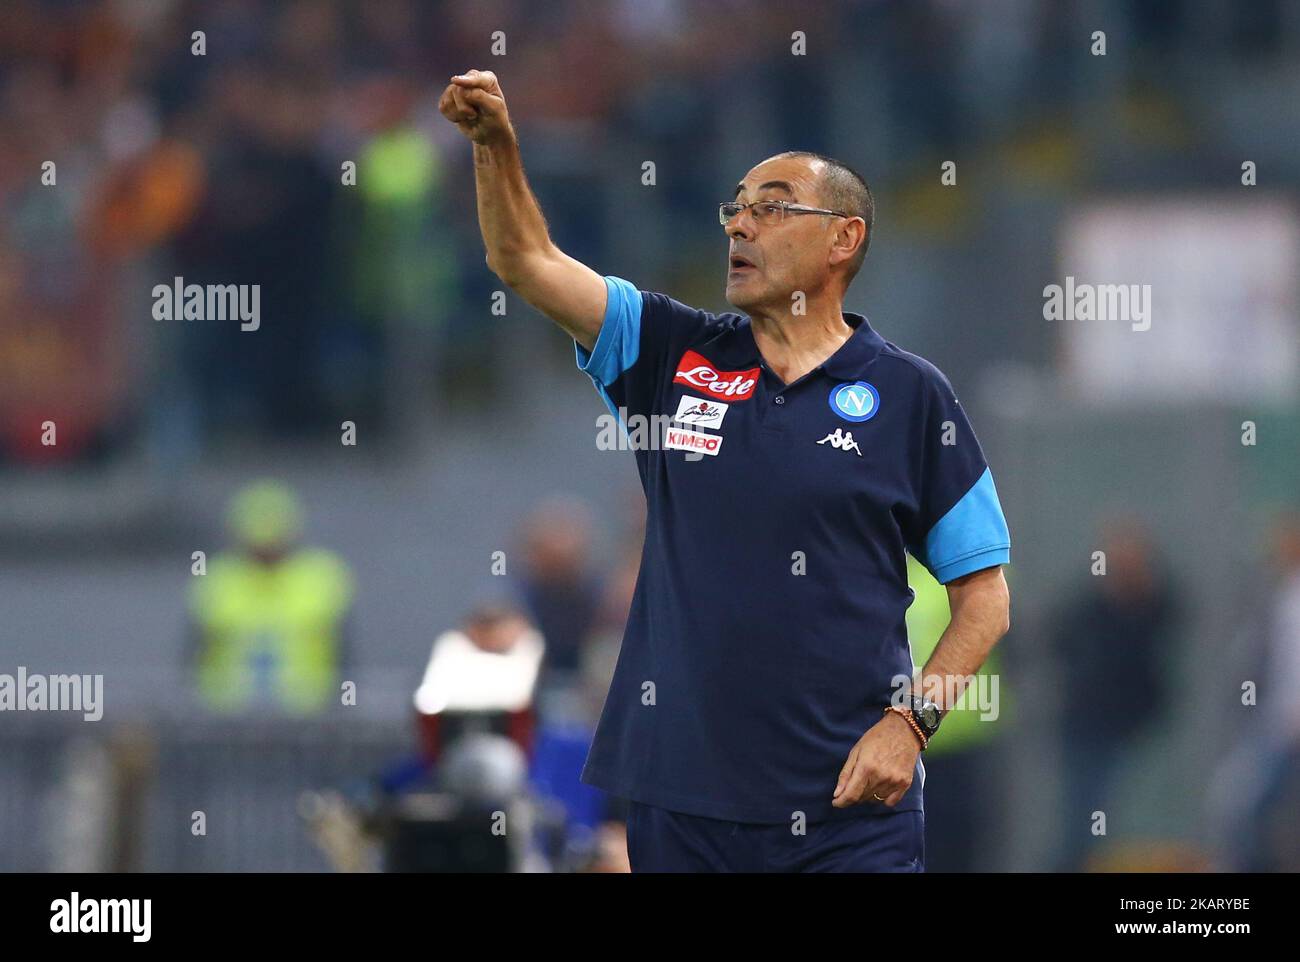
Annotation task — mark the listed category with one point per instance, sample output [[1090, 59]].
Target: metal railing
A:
[[188, 794]]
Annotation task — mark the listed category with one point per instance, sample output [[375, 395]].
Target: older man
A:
[[762, 715]]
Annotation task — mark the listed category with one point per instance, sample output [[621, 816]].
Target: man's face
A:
[[788, 256]]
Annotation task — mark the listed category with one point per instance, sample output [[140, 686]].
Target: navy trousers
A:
[[659, 840]]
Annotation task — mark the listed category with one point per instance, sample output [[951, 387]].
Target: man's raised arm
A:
[[519, 248]]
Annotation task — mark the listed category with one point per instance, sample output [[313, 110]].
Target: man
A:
[[755, 720]]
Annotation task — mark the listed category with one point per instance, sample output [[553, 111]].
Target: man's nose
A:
[[742, 225]]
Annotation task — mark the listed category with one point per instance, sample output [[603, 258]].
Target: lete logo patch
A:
[[855, 401], [696, 371]]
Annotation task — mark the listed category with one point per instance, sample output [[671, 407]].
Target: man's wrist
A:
[[487, 153], [906, 715], [932, 689]]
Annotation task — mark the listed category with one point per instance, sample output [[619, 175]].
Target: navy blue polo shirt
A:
[[767, 625]]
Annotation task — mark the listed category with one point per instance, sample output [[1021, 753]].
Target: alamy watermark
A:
[[75, 915], [977, 693], [179, 301], [658, 432], [1098, 302], [36, 692]]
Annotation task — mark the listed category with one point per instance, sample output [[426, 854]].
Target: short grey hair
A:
[[843, 188]]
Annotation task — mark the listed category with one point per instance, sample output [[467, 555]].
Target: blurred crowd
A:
[[142, 140]]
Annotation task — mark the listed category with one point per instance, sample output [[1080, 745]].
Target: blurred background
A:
[[358, 577]]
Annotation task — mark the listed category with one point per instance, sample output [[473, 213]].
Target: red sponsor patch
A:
[[696, 371], [679, 439]]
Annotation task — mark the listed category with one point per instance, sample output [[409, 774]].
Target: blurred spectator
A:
[[1280, 697], [557, 586], [266, 221], [269, 619], [476, 723], [1256, 790], [1113, 642], [568, 723], [481, 678], [399, 251]]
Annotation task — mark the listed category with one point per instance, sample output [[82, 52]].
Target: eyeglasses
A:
[[769, 212]]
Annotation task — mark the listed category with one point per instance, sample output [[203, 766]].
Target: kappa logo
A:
[[698, 372], [693, 410], [843, 440]]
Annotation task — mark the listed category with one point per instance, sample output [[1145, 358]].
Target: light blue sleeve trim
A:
[[619, 342], [988, 558], [971, 536]]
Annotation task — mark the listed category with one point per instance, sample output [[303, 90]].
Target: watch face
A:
[[929, 716]]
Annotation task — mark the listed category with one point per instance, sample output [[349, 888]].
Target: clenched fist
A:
[[473, 101]]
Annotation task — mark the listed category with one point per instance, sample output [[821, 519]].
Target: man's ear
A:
[[857, 227], [848, 231]]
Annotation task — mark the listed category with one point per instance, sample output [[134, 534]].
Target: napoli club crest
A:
[[855, 401]]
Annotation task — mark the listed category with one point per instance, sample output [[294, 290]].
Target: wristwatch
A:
[[927, 715], [923, 717]]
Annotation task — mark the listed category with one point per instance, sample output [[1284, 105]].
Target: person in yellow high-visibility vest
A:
[[957, 804], [270, 618]]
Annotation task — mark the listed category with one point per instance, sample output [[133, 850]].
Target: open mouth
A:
[[740, 264]]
